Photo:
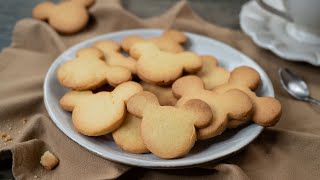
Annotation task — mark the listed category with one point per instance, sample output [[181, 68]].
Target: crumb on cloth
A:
[[5, 137], [24, 121], [49, 161]]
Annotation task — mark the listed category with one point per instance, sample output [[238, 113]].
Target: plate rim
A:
[[142, 163]]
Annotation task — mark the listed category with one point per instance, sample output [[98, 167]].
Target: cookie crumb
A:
[[2, 134], [35, 177], [49, 161], [42, 172], [19, 132], [24, 121], [5, 137]]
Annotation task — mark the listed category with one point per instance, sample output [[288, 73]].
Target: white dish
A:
[[204, 151], [274, 33]]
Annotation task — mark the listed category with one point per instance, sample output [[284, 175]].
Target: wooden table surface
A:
[[221, 12]]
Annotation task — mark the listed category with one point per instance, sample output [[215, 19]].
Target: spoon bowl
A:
[[295, 86]]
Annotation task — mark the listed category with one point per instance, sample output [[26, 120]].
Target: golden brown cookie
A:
[[89, 71], [113, 55], [168, 131], [211, 74], [100, 113], [170, 41], [66, 17], [128, 135], [163, 68], [267, 110], [230, 105], [163, 93]]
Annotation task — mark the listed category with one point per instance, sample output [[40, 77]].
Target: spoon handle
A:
[[314, 101]]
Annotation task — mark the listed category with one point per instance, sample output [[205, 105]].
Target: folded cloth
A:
[[290, 150]]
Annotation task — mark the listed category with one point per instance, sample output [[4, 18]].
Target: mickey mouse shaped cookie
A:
[[170, 41], [228, 106], [163, 68], [89, 71], [168, 131], [66, 17], [100, 113], [267, 110]]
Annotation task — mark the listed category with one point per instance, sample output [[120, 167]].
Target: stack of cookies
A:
[[177, 97]]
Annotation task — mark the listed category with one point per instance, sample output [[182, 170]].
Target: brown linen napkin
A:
[[290, 150]]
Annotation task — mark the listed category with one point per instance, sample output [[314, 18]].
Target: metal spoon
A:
[[295, 86]]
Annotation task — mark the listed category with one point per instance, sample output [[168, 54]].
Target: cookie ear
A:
[[128, 42], [140, 48], [210, 61], [85, 3], [175, 35], [240, 103], [186, 85], [116, 75], [201, 110], [72, 98], [106, 46], [245, 76], [191, 62], [125, 90], [138, 102], [42, 10], [267, 111], [211, 74], [90, 53]]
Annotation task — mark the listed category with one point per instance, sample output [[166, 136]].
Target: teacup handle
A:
[[274, 10]]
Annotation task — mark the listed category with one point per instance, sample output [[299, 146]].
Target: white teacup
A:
[[304, 16]]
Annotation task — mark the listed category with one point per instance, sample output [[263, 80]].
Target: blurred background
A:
[[221, 12]]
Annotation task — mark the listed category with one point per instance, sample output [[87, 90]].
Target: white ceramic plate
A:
[[203, 151], [270, 31]]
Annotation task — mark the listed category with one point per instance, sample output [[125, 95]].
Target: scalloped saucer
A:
[[272, 32]]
